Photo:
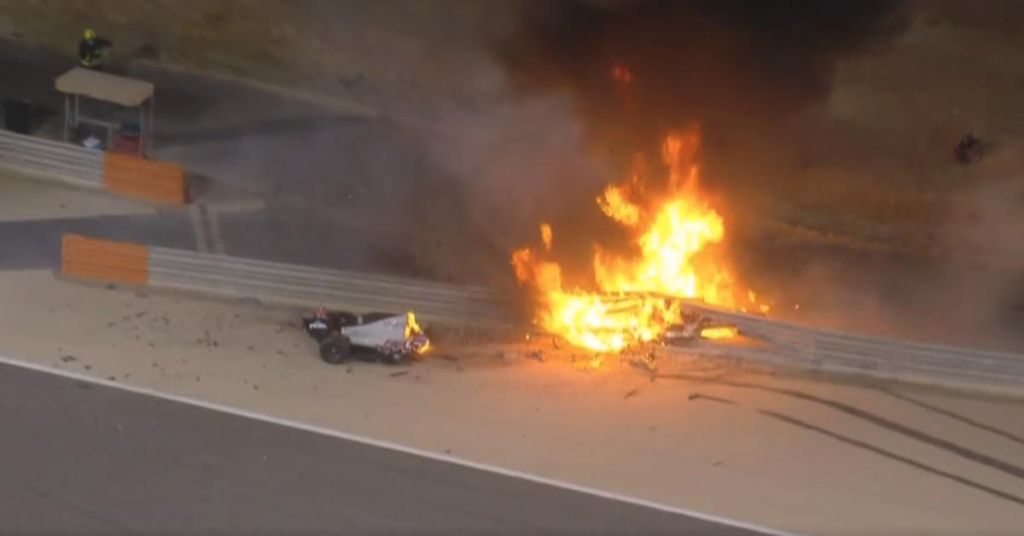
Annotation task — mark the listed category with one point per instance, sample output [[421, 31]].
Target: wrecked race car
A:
[[387, 337]]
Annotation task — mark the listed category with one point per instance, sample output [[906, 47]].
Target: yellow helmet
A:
[[89, 33]]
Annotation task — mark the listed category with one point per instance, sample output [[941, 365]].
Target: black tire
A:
[[335, 349]]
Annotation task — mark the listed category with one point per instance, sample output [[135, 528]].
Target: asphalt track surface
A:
[[83, 458]]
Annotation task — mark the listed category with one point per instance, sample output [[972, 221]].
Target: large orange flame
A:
[[638, 294]]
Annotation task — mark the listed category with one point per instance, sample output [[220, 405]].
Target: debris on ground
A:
[[397, 374], [536, 355], [647, 361], [631, 394], [207, 341], [699, 396], [969, 149], [68, 358]]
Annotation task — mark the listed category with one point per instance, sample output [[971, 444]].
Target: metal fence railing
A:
[[781, 343], [835, 351], [64, 161], [298, 285]]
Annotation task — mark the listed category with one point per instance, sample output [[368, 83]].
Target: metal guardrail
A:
[[63, 161], [834, 351], [298, 285], [784, 343]]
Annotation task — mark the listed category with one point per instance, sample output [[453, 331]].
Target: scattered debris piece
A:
[[348, 369], [111, 286], [536, 354], [111, 378], [718, 463], [68, 358], [699, 396], [969, 149], [447, 357], [631, 394], [554, 343], [251, 348], [87, 367], [207, 340], [141, 314], [397, 374]]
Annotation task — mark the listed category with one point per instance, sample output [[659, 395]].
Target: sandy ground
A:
[[25, 198], [700, 441]]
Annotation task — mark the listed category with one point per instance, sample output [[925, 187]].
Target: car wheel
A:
[[335, 349]]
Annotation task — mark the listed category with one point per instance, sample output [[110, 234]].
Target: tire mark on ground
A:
[[877, 420], [895, 457], [955, 416]]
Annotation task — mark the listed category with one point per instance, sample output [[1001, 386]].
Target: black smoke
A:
[[731, 65]]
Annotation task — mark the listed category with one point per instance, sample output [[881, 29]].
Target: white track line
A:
[[397, 448]]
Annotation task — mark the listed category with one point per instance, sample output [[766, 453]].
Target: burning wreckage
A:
[[648, 293], [663, 290]]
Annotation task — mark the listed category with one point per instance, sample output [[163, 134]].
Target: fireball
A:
[[637, 295]]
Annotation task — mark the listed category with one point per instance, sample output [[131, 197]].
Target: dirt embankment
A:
[[346, 48]]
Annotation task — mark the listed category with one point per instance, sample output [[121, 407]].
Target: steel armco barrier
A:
[[297, 285], [782, 343], [63, 161], [834, 351]]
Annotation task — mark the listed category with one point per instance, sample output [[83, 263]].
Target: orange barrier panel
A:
[[149, 179], [106, 260]]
